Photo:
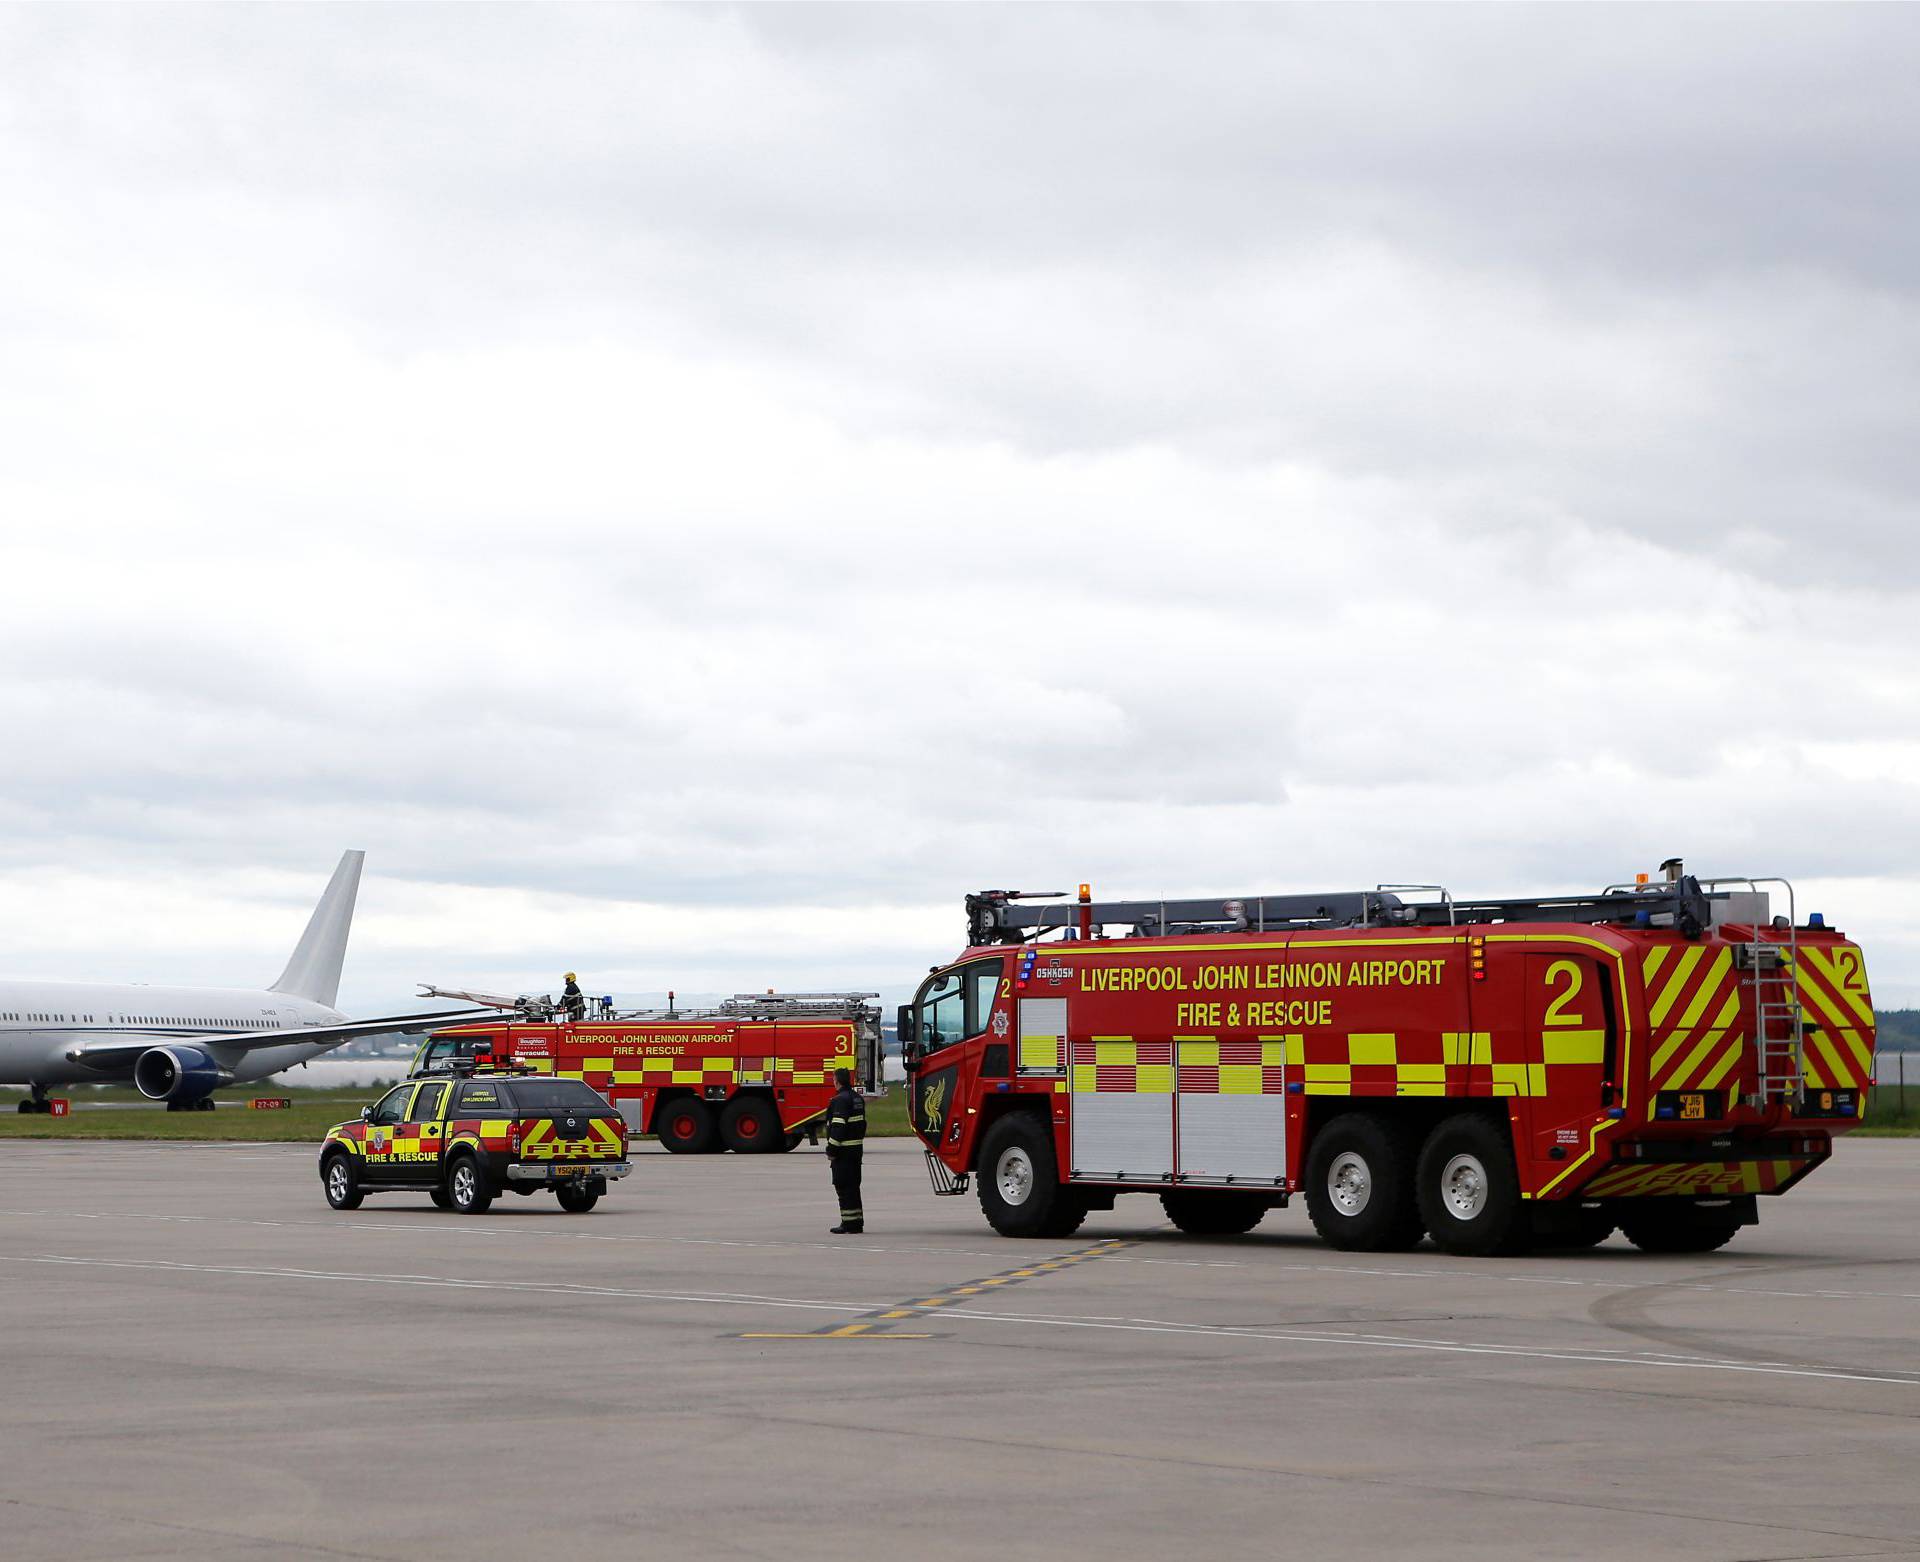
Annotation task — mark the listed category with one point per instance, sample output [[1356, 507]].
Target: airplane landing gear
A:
[[36, 1101]]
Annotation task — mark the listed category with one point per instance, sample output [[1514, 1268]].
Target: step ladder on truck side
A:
[[1769, 959]]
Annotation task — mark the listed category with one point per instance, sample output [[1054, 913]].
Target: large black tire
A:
[[1213, 1214], [750, 1125], [1469, 1189], [684, 1125], [1360, 1185], [467, 1188], [1686, 1228], [576, 1198], [441, 1198], [1020, 1189], [341, 1179], [791, 1141]]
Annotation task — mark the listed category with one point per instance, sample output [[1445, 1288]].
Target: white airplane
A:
[[180, 1044]]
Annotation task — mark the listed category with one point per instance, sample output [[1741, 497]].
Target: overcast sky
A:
[[694, 492]]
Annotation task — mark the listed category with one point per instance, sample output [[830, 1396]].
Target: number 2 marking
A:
[[1006, 986], [1847, 963], [1576, 979]]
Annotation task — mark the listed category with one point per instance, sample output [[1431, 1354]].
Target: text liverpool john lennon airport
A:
[[1323, 974]]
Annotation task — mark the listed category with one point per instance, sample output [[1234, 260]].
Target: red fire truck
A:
[[1498, 1075], [748, 1075]]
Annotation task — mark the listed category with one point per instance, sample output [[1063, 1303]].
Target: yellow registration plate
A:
[[1693, 1106], [570, 1171]]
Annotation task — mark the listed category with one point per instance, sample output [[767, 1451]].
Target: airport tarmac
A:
[[203, 1360]]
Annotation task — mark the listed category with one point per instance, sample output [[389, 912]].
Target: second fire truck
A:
[[1654, 1058], [751, 1074]]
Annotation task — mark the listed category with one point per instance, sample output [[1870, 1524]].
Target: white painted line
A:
[[1652, 1362]]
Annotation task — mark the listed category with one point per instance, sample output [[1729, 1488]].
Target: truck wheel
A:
[[1020, 1190], [791, 1141], [342, 1182], [577, 1198], [1686, 1228], [1469, 1190], [467, 1188], [684, 1126], [1360, 1186], [750, 1126], [1213, 1214]]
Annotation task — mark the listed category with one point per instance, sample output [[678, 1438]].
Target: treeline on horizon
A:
[[1897, 1030]]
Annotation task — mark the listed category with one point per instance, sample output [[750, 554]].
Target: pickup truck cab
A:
[[466, 1140]]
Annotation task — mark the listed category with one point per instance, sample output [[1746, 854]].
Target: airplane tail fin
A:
[[314, 970]]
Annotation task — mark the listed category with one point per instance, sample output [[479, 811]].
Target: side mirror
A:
[[366, 1114], [904, 1026]]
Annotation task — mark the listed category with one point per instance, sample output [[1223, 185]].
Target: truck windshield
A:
[[957, 1004], [556, 1095]]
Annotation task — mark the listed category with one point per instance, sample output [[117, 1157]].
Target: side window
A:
[[983, 981], [478, 1100], [436, 1054], [426, 1104], [392, 1105], [943, 1012]]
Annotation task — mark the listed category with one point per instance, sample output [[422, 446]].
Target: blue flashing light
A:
[[1664, 1111], [1643, 919], [1295, 1088], [1003, 1085], [1616, 1112], [1815, 919]]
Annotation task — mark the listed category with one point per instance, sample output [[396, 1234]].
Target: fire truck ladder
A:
[[1770, 959]]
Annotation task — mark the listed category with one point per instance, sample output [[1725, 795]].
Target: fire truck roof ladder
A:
[[1016, 917]]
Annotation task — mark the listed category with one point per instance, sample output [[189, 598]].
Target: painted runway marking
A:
[[878, 1323], [1651, 1361]]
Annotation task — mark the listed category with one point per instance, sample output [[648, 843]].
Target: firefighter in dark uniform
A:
[[572, 1000], [846, 1139]]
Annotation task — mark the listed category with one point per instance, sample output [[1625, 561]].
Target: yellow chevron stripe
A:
[[1723, 1065], [1656, 957], [1838, 1072], [1663, 1054], [1694, 1060], [1709, 986], [1836, 965], [1675, 985]]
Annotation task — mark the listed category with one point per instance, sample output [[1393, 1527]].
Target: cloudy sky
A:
[[694, 491]]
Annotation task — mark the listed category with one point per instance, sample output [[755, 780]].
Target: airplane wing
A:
[[111, 1056]]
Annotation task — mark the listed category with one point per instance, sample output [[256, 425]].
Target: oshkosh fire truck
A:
[[1497, 1075], [749, 1075]]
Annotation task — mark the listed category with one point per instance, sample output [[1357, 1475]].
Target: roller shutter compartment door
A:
[[1122, 1094]]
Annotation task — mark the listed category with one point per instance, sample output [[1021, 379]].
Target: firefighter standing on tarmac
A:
[[846, 1139]]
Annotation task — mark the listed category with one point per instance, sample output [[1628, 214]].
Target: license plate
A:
[[1693, 1106], [570, 1171]]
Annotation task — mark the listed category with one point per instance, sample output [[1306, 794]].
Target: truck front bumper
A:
[[567, 1171]]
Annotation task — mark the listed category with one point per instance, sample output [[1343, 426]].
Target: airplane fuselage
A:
[[41, 1021]]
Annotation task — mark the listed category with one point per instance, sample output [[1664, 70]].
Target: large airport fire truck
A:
[[748, 1075], [1501, 1074]]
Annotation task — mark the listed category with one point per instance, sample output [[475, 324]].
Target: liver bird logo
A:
[[933, 1105]]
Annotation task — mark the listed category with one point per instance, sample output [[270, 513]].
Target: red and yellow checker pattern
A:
[[1410, 1063], [1696, 1016], [1207, 1067], [1120, 1065]]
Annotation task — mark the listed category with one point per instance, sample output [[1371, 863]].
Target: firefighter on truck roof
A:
[[572, 999], [846, 1139]]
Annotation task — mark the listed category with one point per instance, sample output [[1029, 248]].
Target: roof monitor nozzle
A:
[[1672, 868]]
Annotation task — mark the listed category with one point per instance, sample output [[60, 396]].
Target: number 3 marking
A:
[[1576, 979]]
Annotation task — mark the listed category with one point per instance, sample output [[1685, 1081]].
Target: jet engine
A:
[[183, 1074]]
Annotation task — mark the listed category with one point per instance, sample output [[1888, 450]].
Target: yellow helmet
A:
[[571, 977]]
